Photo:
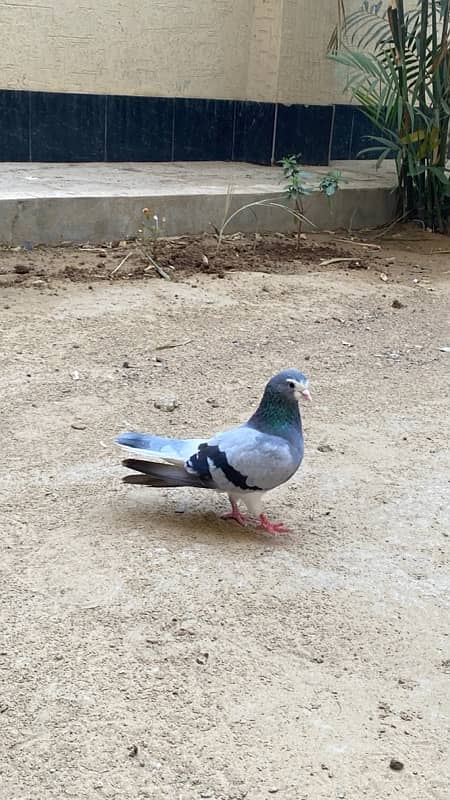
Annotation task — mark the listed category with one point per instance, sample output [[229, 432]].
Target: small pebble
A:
[[396, 765], [325, 448], [397, 304], [167, 404], [78, 426], [22, 269]]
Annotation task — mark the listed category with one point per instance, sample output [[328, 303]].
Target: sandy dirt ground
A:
[[149, 649]]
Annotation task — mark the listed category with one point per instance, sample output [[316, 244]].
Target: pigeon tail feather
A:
[[156, 474], [148, 447]]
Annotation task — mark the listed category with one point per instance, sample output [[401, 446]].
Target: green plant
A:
[[398, 65], [297, 186], [330, 182], [295, 189]]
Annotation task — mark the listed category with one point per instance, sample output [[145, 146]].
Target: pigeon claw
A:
[[271, 527], [235, 513], [237, 516]]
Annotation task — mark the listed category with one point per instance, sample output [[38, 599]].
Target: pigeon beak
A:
[[306, 395]]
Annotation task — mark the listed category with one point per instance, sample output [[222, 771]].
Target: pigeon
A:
[[245, 462]]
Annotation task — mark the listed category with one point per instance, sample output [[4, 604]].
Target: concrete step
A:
[[54, 203]]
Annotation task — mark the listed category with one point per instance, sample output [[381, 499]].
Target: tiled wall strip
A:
[[47, 126]]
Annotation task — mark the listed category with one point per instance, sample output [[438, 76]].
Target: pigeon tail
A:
[[156, 474], [148, 447]]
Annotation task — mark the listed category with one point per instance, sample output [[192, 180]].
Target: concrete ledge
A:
[[54, 203]]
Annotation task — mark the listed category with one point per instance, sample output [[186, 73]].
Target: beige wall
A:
[[305, 74], [156, 47], [243, 49]]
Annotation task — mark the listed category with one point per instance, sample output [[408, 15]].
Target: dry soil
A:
[[149, 649]]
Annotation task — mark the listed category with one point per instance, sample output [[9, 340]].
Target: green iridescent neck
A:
[[276, 414]]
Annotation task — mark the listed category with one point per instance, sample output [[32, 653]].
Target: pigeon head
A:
[[289, 384], [278, 412]]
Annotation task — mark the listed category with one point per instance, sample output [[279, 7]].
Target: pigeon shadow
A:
[[156, 519]]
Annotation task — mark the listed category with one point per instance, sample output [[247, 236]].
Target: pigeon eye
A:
[[291, 384]]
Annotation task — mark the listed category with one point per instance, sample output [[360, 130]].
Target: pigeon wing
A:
[[244, 459]]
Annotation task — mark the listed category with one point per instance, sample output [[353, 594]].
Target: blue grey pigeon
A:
[[245, 462]]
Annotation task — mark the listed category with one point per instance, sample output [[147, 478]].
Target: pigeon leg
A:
[[235, 513], [271, 527]]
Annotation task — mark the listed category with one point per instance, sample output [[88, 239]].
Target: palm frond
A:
[[398, 71]]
